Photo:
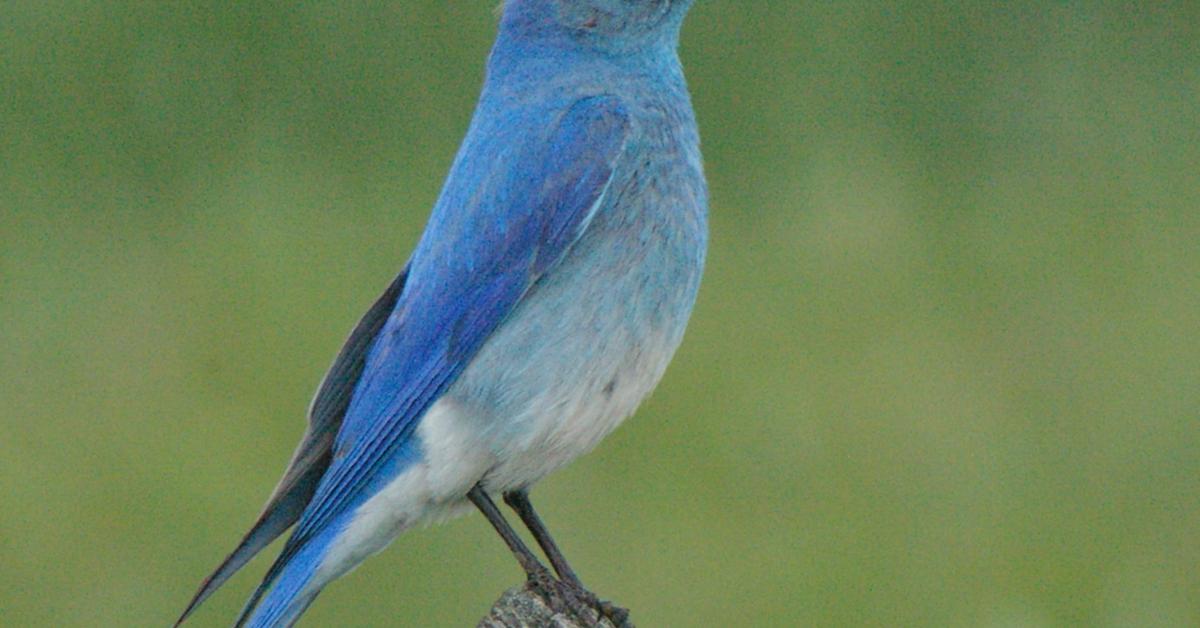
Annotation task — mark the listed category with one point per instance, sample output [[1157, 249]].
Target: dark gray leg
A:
[[577, 600], [519, 502], [534, 569]]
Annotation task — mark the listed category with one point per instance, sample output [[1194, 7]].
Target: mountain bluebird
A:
[[548, 293]]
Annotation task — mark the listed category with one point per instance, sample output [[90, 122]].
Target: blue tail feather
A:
[[288, 588]]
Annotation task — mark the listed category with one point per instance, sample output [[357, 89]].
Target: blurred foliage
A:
[[944, 369]]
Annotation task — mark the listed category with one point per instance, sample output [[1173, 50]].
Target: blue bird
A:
[[543, 302]]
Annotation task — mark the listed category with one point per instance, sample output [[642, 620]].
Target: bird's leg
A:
[[534, 569], [518, 500], [538, 576]]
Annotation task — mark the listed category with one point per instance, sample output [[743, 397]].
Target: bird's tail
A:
[[294, 492], [291, 584]]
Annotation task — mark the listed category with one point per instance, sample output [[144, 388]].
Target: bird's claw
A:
[[617, 615], [576, 601]]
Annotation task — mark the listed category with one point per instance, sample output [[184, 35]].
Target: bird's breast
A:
[[593, 337]]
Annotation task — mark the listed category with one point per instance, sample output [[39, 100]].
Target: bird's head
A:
[[613, 26]]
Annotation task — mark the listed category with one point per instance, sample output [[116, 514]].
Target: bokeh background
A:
[[943, 370]]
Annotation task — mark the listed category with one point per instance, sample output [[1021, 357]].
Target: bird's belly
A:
[[568, 418], [579, 354]]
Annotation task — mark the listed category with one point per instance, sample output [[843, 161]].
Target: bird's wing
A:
[[514, 203], [313, 455]]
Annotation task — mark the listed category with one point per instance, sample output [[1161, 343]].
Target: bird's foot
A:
[[577, 602], [563, 598], [600, 609], [617, 615]]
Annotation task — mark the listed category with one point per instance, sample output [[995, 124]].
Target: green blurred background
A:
[[943, 371]]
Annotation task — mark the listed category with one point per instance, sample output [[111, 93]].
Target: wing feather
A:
[[499, 226]]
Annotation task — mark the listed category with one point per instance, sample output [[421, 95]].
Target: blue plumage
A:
[[543, 302]]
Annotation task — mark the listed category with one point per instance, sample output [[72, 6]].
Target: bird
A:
[[543, 302]]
